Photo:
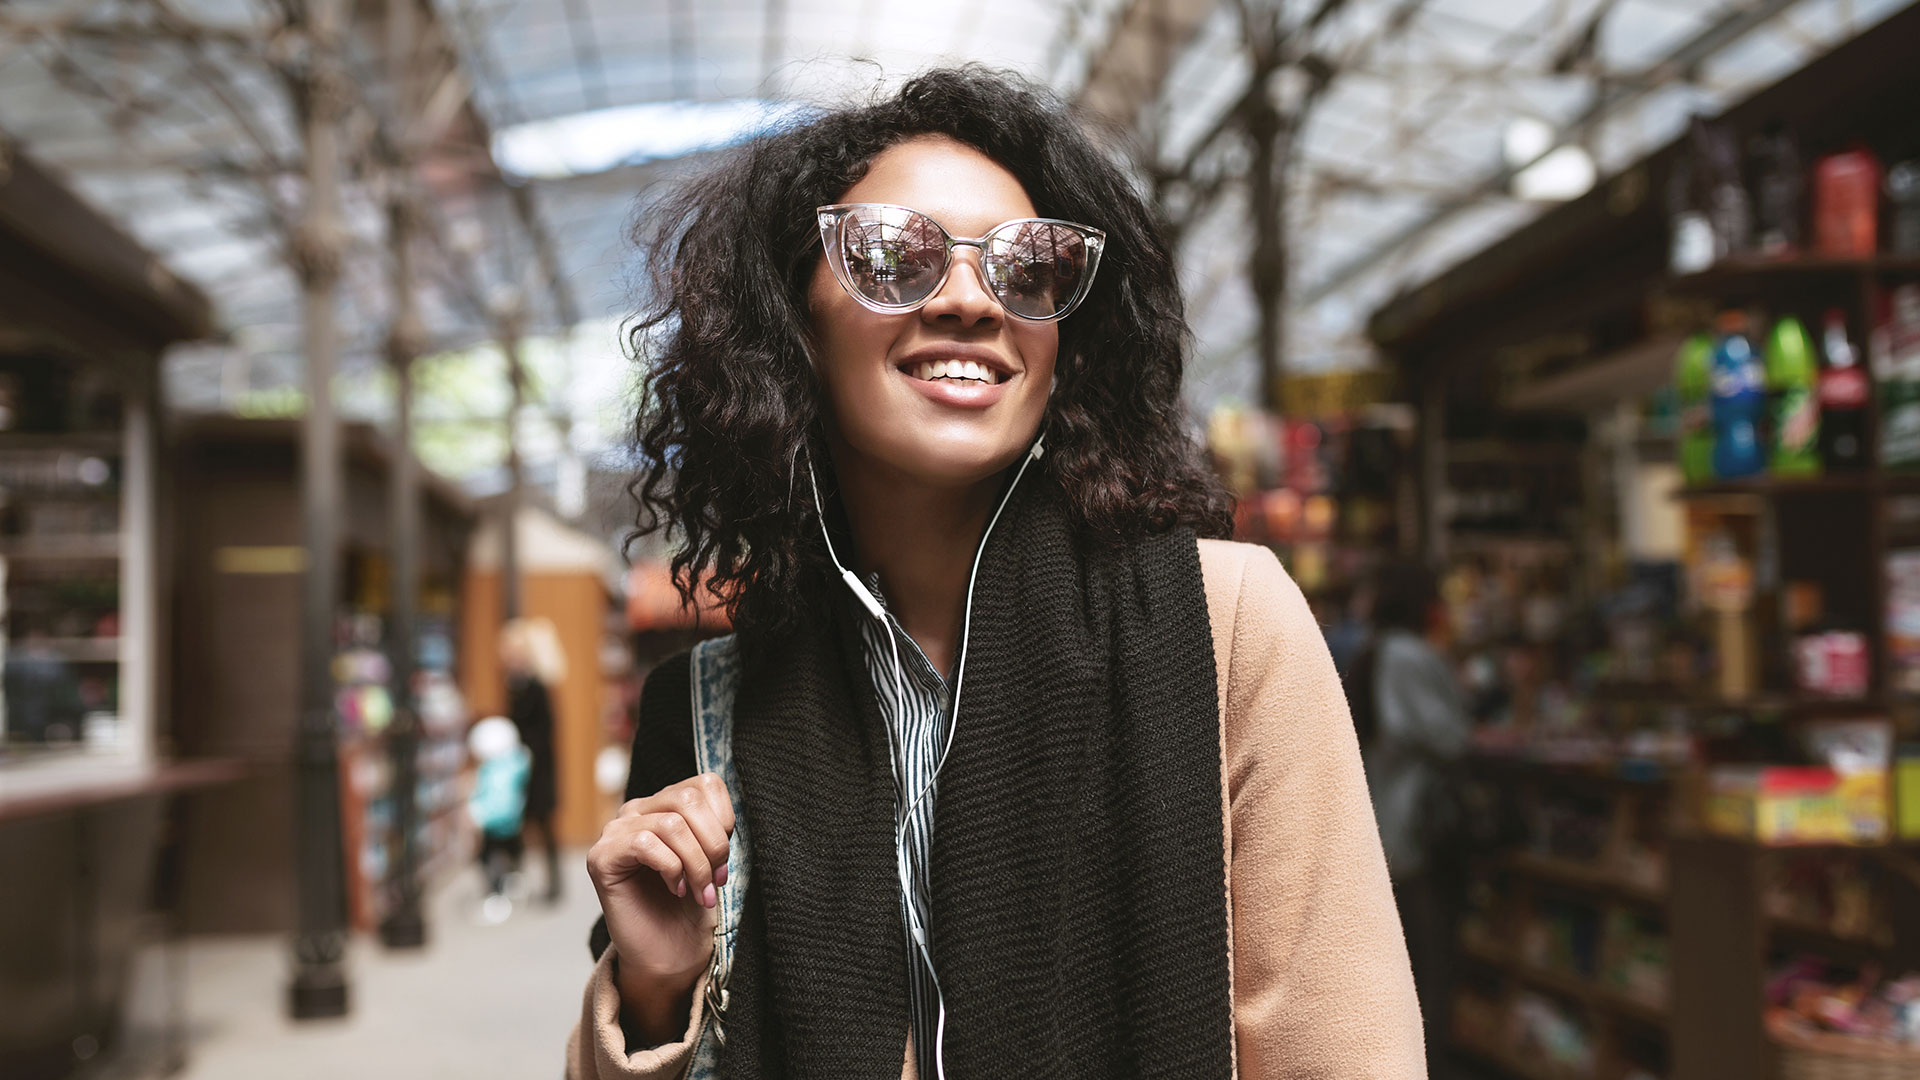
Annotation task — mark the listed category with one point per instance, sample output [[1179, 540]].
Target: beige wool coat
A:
[[1321, 985]]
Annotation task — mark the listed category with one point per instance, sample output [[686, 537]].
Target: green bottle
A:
[[1690, 392], [1791, 374]]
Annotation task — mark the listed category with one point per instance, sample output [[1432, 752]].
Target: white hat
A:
[[493, 737]]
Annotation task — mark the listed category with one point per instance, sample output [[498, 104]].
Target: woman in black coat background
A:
[[530, 652]]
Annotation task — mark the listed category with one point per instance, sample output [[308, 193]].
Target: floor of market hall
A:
[[479, 1001]]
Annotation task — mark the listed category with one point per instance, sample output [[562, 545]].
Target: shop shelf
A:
[[1509, 1064], [1816, 937], [99, 442], [1583, 877], [103, 546], [1633, 776], [1577, 987], [1785, 485], [1768, 701], [1754, 274], [82, 650]]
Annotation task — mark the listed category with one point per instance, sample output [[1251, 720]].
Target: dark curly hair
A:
[[729, 399]]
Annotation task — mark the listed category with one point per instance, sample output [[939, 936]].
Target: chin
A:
[[955, 462]]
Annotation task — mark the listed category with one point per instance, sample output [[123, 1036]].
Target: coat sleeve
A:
[[1322, 989], [599, 1048]]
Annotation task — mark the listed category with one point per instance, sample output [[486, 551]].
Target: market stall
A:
[[87, 779], [1669, 470], [236, 631]]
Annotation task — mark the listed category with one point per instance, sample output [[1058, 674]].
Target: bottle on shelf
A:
[[1779, 184], [1846, 204], [1692, 391], [1843, 399], [1729, 210], [1791, 371], [1896, 370], [1738, 401], [1903, 198], [1690, 234]]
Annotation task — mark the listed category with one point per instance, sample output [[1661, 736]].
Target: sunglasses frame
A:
[[833, 218]]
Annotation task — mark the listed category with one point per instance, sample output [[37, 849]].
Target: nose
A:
[[964, 299]]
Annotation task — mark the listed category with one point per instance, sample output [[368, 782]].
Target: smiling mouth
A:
[[960, 371]]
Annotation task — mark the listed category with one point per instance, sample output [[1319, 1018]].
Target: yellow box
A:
[[1794, 805]]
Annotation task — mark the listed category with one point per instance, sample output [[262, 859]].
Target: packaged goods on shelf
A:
[[1895, 346], [1903, 621], [1782, 804], [1811, 996], [1840, 897], [1636, 961], [1543, 1030], [1906, 772]]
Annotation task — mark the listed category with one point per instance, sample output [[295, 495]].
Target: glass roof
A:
[[171, 118]]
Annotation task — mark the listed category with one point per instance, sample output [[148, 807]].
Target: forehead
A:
[[966, 191]]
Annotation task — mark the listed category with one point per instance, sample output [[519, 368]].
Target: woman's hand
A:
[[656, 868]]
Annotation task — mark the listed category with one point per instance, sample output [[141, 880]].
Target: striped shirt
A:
[[915, 709]]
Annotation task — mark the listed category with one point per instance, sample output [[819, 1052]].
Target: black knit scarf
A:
[[1079, 893]]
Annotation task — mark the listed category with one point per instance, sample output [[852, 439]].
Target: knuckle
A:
[[673, 827]]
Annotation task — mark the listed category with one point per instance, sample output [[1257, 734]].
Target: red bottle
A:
[[1846, 204], [1843, 399]]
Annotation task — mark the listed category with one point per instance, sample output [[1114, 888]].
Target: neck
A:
[[921, 539]]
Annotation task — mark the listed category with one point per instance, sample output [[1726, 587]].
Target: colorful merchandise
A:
[[1791, 373], [1738, 399], [1846, 204], [1692, 391], [1787, 805], [1812, 996], [1834, 663]]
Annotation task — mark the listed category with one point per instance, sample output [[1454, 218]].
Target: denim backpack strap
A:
[[715, 674]]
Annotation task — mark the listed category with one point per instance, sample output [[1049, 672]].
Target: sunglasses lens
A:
[[892, 256], [1036, 268]]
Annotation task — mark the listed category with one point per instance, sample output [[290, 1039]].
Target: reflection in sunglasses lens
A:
[[896, 257]]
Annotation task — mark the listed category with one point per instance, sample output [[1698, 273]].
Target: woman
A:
[[530, 652], [1141, 750]]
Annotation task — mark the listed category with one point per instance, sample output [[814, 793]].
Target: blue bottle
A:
[[1739, 400]]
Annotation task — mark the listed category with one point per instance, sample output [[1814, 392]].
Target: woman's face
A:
[[943, 431]]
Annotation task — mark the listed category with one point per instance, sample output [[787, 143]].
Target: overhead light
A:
[[1546, 173], [602, 139]]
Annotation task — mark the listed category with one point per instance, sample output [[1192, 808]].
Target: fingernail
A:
[[720, 875], [709, 898], [680, 887]]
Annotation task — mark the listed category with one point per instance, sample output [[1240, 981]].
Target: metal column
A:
[[404, 927], [319, 985]]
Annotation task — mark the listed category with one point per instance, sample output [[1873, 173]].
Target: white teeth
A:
[[928, 370]]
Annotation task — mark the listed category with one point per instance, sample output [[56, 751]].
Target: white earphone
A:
[[879, 613]]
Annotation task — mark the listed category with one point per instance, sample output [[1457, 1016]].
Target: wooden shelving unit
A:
[[1578, 987]]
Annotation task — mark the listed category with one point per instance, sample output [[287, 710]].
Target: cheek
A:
[[1039, 346]]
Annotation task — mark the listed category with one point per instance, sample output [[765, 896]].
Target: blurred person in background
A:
[[496, 806], [1411, 719], [941, 473], [535, 664]]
